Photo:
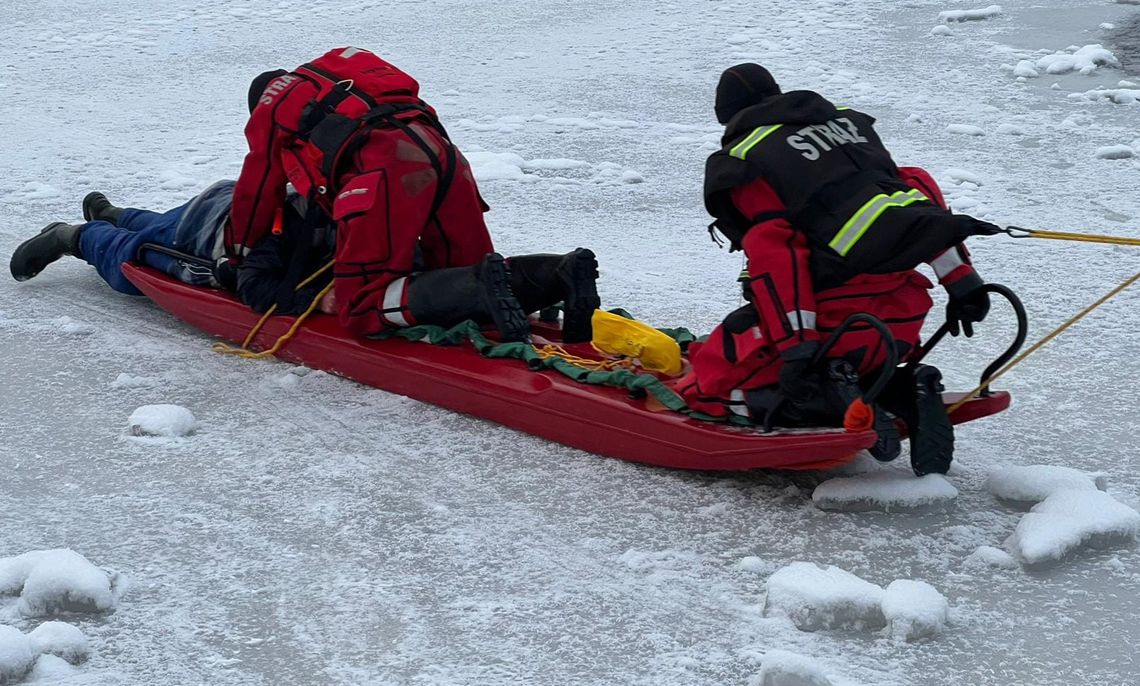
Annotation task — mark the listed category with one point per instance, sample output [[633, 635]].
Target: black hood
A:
[[793, 107]]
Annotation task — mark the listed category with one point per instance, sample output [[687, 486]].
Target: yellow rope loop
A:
[[1039, 344], [245, 352], [1080, 237], [551, 350]]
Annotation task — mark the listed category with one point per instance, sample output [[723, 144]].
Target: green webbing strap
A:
[[637, 384]]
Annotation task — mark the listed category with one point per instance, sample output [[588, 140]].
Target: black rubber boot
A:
[[845, 384], [542, 280], [96, 207], [931, 434], [482, 292], [55, 241]]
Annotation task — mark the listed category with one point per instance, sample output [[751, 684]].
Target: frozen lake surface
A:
[[313, 531]]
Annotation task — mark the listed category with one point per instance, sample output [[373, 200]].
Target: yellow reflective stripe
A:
[[857, 225], [842, 108], [740, 150]]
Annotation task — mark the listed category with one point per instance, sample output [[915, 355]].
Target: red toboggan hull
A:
[[598, 419]]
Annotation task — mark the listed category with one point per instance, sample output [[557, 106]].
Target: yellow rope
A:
[[552, 350], [244, 350], [1078, 237], [1036, 346]]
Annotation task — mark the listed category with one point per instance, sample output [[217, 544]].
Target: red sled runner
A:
[[599, 419]]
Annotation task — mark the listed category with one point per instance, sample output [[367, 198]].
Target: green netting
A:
[[637, 384]]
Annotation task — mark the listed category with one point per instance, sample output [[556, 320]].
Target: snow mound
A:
[[161, 420], [60, 580], [1036, 482], [1115, 152], [990, 12], [1025, 69], [888, 491], [941, 30], [1084, 60], [16, 654], [1120, 96], [965, 129], [497, 166], [1071, 519], [60, 639], [50, 668], [914, 610], [816, 598], [125, 380], [781, 668], [989, 556]]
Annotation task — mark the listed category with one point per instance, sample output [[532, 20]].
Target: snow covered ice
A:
[[320, 532], [885, 491], [48, 582], [46, 653], [782, 668], [1070, 519], [914, 609], [169, 421], [816, 598], [1033, 483], [970, 15]]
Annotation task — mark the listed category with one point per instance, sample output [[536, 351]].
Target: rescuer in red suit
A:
[[829, 227], [350, 133]]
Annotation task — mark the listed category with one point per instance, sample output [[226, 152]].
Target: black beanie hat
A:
[[257, 86], [742, 86]]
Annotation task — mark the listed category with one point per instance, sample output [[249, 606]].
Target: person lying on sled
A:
[[114, 235], [349, 132], [830, 227], [302, 239]]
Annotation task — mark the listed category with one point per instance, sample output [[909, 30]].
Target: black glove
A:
[[225, 274], [969, 304], [800, 379]]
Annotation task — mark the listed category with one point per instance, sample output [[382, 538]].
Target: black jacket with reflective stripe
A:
[[838, 185]]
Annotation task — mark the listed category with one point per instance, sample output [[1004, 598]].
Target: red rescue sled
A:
[[598, 419]]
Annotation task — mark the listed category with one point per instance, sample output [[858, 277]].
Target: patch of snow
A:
[[1084, 60], [169, 421], [755, 564], [496, 166], [1120, 96], [816, 598], [1025, 68], [781, 668], [72, 327], [970, 15], [966, 129], [1010, 130], [630, 176], [130, 381], [989, 556], [886, 491], [555, 163], [61, 639], [941, 30], [1036, 482], [16, 654], [1070, 519], [34, 190], [59, 580], [49, 668], [914, 610], [1115, 152]]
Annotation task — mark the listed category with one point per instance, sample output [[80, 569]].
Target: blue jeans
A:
[[106, 246], [193, 228]]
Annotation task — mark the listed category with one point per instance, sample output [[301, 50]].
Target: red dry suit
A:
[[349, 131], [743, 353]]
